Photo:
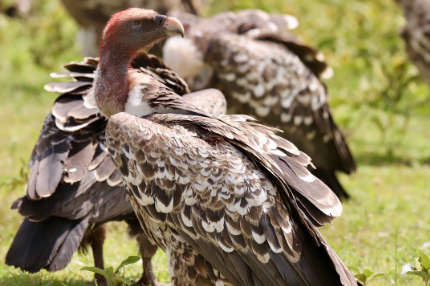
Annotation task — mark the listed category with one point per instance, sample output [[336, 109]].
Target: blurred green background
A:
[[376, 96]]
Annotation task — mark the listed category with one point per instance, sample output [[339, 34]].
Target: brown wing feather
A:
[[273, 153], [46, 163], [223, 198], [211, 101], [268, 72], [271, 82]]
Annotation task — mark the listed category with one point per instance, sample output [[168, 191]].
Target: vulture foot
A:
[[100, 281]]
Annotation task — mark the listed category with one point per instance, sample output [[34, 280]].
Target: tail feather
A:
[[330, 179], [49, 244]]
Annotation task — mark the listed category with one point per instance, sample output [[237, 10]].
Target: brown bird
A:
[[226, 191], [92, 15], [16, 8], [265, 71], [73, 187], [416, 34]]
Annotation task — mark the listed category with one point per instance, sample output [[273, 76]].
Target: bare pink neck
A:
[[111, 81]]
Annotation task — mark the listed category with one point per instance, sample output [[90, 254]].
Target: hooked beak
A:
[[173, 26]]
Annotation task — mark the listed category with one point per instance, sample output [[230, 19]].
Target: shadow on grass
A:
[[381, 159], [426, 161], [23, 279]]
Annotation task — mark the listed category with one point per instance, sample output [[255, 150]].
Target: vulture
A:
[[416, 34], [92, 15], [73, 187], [229, 201], [17, 8], [265, 71]]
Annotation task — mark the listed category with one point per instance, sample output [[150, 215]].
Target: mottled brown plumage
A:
[[74, 187], [265, 71], [233, 190], [416, 34]]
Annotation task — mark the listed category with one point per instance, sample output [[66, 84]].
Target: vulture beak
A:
[[173, 26]]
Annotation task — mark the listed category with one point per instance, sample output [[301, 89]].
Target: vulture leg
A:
[[97, 239], [190, 268], [147, 251]]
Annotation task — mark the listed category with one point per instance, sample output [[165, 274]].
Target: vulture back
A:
[[265, 71]]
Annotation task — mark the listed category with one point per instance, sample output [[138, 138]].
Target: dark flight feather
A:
[[77, 189]]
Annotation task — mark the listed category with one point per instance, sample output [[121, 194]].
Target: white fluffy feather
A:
[[183, 56]]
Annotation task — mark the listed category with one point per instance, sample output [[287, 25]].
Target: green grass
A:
[[375, 97]]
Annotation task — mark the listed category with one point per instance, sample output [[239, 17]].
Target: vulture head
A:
[[126, 33], [134, 29]]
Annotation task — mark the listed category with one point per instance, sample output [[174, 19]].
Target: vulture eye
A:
[[137, 24], [160, 19]]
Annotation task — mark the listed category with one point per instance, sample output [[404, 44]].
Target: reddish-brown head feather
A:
[[125, 34], [134, 29], [119, 18]]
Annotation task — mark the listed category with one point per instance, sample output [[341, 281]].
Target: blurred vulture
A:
[[92, 15], [73, 187], [16, 8], [268, 73], [416, 34], [229, 201]]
